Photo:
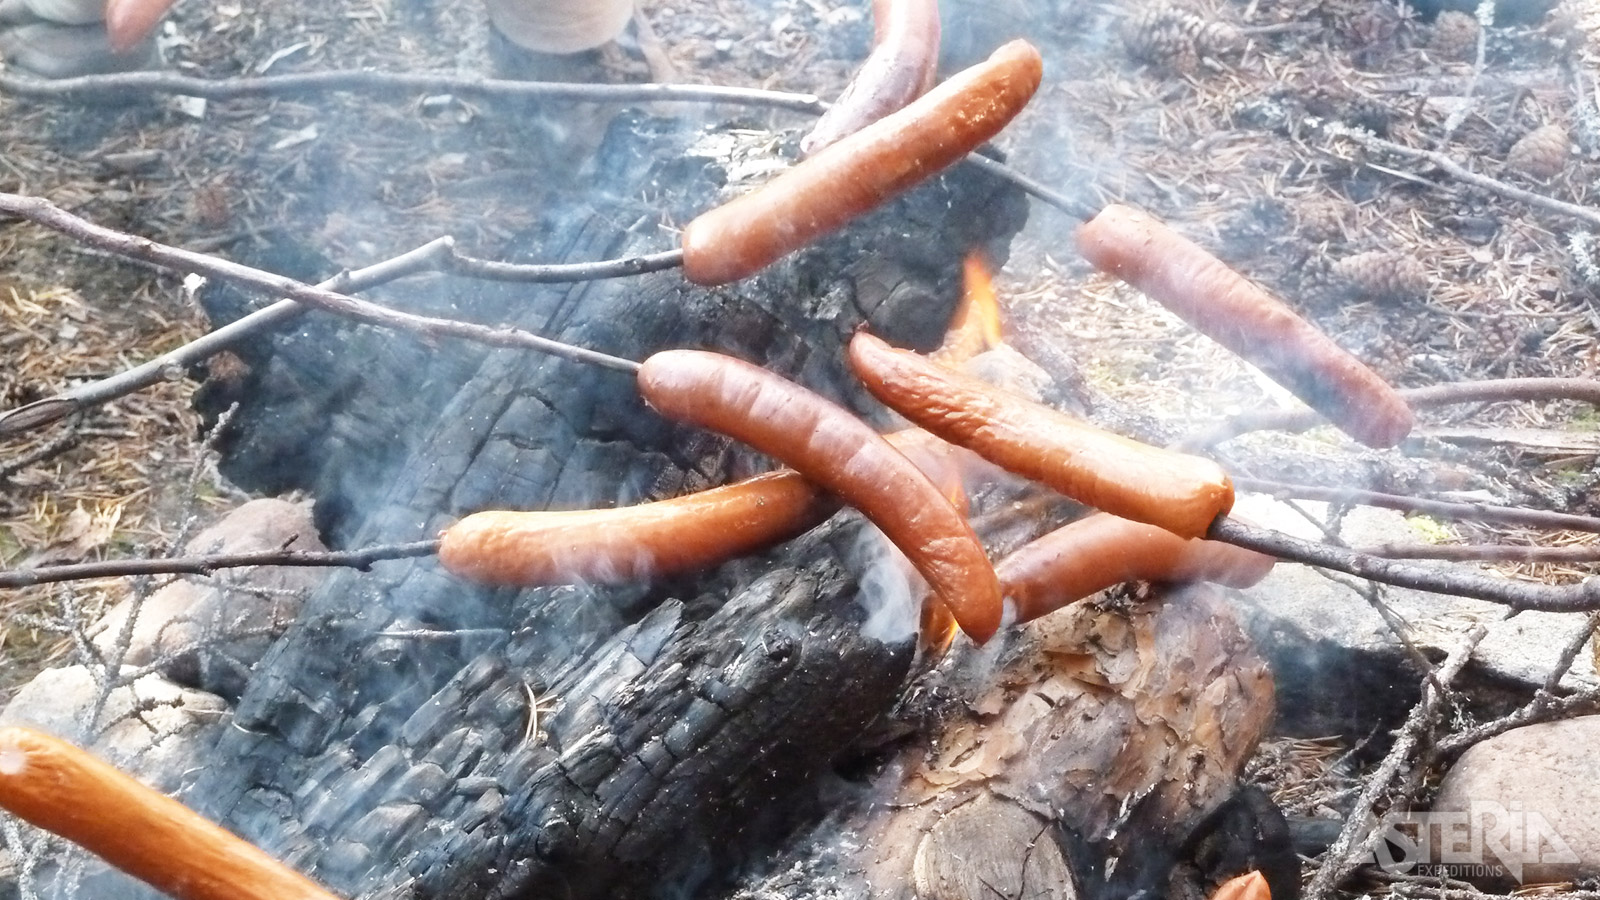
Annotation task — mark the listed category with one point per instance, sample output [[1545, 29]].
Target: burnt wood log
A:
[[386, 744]]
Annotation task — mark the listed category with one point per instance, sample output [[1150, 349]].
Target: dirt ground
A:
[[1212, 115]]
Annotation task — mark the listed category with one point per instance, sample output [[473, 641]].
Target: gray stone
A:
[[150, 725], [1528, 801], [209, 632]]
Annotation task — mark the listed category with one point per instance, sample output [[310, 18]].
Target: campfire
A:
[[723, 501]]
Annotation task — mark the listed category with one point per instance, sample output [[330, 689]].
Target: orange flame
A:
[[975, 327], [938, 627]]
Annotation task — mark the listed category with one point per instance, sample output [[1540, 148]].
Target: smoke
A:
[[891, 591]]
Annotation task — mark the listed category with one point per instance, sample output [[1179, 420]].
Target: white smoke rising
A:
[[891, 591]]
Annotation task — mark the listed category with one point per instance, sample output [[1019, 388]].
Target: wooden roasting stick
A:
[[66, 791], [1178, 492], [861, 171], [1101, 550], [1241, 316], [903, 65]]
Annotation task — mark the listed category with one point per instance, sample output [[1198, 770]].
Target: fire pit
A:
[[413, 735]]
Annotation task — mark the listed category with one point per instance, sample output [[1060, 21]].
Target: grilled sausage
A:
[[1243, 317], [832, 448], [902, 67], [143, 832], [651, 540], [608, 546], [823, 192], [1175, 491], [1101, 550]]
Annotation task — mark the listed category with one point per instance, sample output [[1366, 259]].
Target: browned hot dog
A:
[[608, 546], [1101, 550], [902, 67], [1175, 491], [834, 449], [667, 537], [1242, 316], [861, 171], [143, 832]]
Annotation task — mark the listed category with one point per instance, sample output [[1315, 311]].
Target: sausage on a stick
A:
[[834, 449], [902, 67], [64, 790], [1241, 316], [862, 171], [667, 537], [1175, 491], [683, 534], [1101, 550]]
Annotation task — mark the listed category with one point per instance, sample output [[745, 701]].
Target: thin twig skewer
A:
[[1586, 390], [1580, 553], [206, 565], [1444, 509], [1466, 176], [122, 85], [45, 213], [165, 366], [1581, 597]]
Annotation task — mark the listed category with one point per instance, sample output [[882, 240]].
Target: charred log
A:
[[1086, 764]]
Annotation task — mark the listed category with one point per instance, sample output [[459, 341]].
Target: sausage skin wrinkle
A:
[[1101, 550], [151, 836], [902, 67], [1241, 316], [862, 171], [834, 449], [1175, 491]]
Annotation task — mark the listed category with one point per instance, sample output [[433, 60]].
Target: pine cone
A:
[[1382, 276], [1455, 35], [1320, 219], [1169, 37], [1541, 154], [1497, 337]]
